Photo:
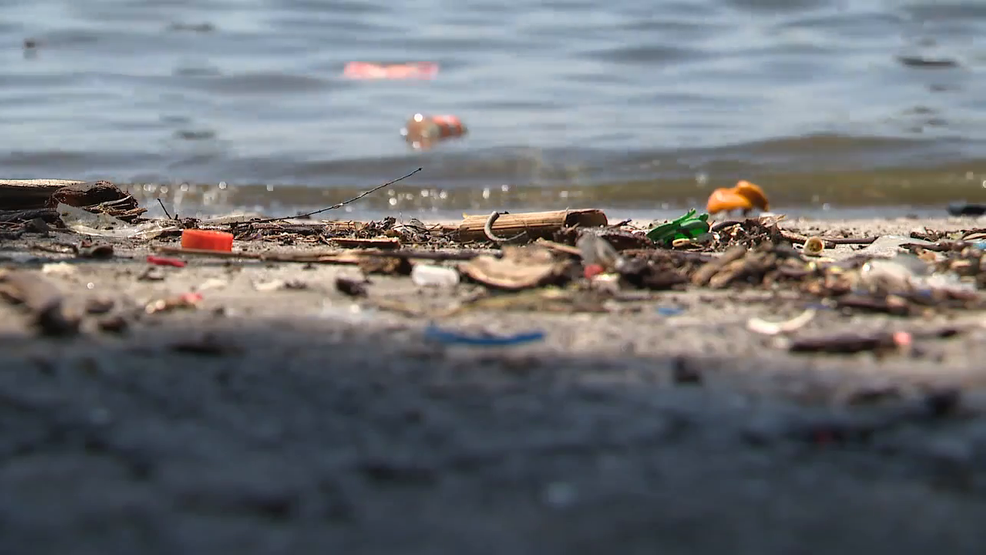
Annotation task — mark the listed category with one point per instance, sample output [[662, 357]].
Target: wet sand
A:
[[304, 420]]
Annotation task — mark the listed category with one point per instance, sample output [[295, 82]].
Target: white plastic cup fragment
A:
[[425, 275]]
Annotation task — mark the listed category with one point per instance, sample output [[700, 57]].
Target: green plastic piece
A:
[[688, 226]]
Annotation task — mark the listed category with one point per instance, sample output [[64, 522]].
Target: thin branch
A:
[[341, 204], [829, 241], [344, 257], [161, 202]]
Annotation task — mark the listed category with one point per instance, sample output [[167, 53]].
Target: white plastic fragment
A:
[[104, 225], [759, 325], [907, 273], [426, 275]]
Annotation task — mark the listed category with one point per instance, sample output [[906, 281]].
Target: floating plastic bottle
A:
[[424, 131]]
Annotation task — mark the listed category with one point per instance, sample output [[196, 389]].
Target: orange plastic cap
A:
[[203, 239], [753, 193], [726, 200]]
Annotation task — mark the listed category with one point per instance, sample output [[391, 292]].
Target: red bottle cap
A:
[[203, 239]]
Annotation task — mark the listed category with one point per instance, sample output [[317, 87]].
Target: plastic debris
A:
[[422, 132], [165, 261], [907, 274], [765, 327], [669, 310], [593, 270], [212, 283], [727, 200], [597, 251], [279, 284], [753, 193], [814, 246], [434, 333], [205, 239], [370, 70], [104, 225], [426, 275], [689, 226], [186, 300], [744, 196]]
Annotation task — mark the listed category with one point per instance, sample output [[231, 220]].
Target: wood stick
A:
[[535, 224], [829, 241], [378, 243], [19, 194], [559, 247], [352, 257]]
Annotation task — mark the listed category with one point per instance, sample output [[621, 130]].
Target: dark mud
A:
[[307, 438]]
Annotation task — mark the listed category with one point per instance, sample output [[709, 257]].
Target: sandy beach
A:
[[283, 415]]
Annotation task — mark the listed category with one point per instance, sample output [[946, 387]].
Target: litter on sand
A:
[[565, 261], [765, 327], [447, 337]]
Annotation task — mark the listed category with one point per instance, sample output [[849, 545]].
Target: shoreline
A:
[[282, 409]]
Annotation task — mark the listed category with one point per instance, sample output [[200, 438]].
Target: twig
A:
[[723, 225], [940, 246], [829, 241], [341, 204], [559, 247], [330, 257], [800, 239], [488, 230], [159, 201]]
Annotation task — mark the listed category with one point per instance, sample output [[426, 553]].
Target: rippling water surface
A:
[[636, 103]]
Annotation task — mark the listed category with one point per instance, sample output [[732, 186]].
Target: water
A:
[[633, 103]]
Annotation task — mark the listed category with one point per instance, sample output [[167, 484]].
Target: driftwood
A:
[[27, 194], [100, 197], [533, 225]]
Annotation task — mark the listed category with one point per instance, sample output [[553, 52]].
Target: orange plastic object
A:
[[449, 126], [726, 200], [423, 131], [203, 239], [753, 193]]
